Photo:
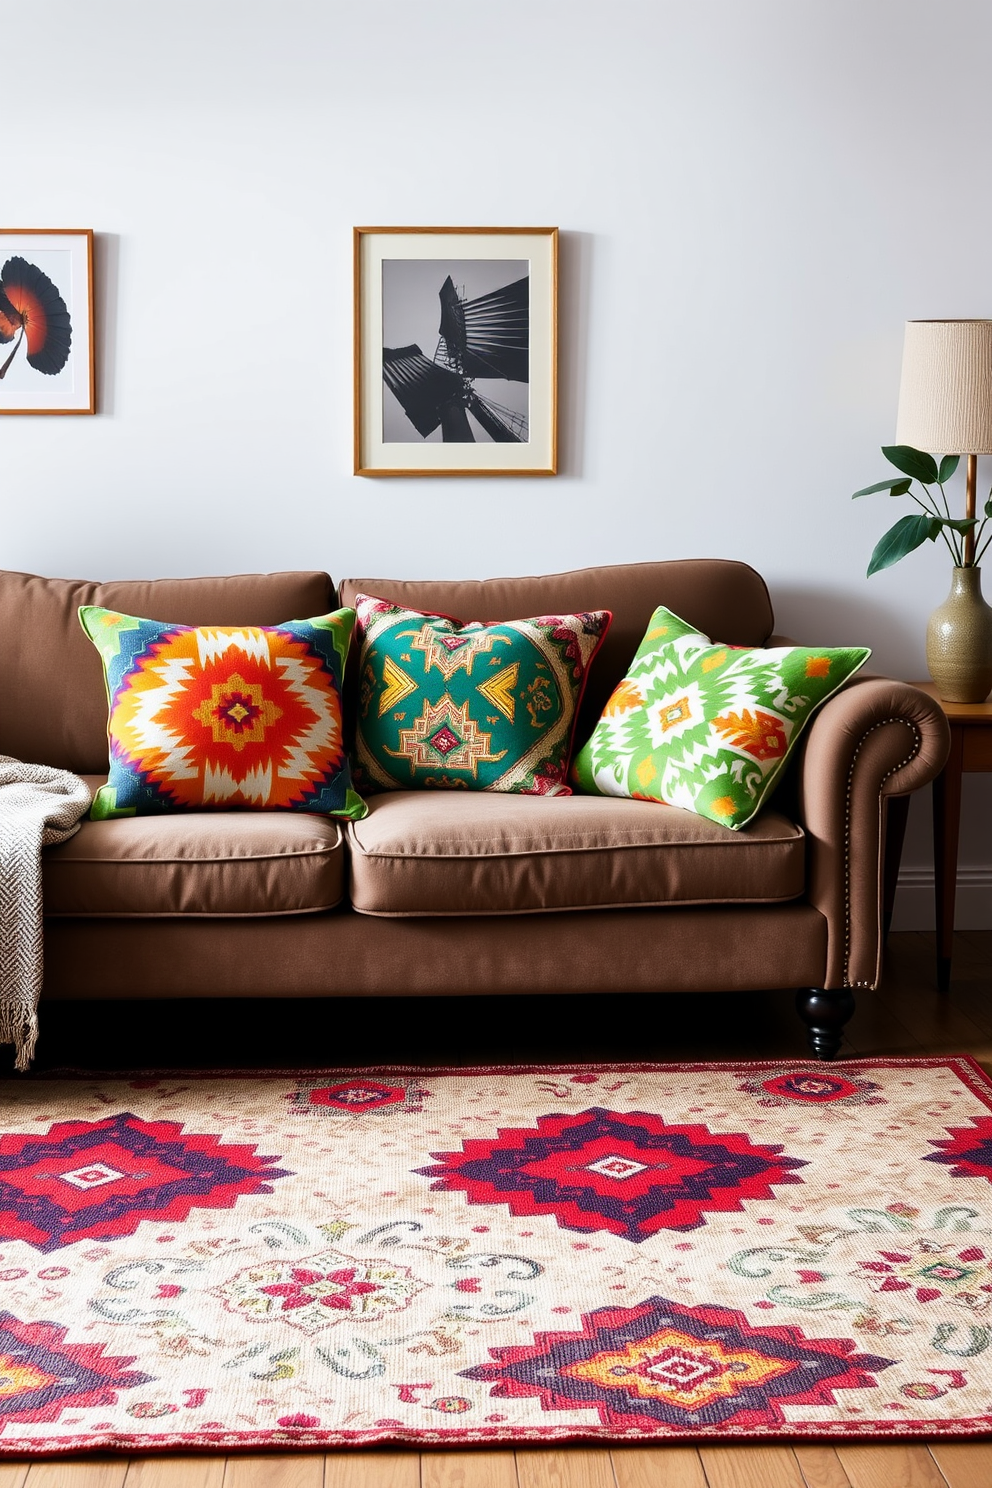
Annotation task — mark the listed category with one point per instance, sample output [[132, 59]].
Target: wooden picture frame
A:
[[456, 350], [47, 360]]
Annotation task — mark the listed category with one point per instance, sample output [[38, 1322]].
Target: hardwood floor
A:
[[907, 1016]]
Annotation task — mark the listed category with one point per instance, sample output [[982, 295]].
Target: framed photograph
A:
[[46, 320], [456, 346]]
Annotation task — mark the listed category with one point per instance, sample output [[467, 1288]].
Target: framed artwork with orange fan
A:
[[46, 321]]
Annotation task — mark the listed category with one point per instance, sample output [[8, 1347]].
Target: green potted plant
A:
[[959, 632]]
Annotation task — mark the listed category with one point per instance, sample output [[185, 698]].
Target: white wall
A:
[[754, 195]]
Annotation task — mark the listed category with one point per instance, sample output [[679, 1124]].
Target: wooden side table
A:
[[971, 751]]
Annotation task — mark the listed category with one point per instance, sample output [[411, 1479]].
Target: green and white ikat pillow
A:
[[707, 727]]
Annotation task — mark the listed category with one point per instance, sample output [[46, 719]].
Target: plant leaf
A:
[[897, 487], [912, 462], [988, 507], [907, 534], [935, 525], [960, 524], [948, 465]]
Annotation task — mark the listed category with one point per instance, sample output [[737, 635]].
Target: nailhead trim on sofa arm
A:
[[875, 739], [917, 745]]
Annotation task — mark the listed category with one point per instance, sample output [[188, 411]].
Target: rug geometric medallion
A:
[[341, 1258]]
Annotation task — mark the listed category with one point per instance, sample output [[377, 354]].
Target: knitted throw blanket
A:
[[38, 806]]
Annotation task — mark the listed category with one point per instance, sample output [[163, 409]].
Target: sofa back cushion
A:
[[724, 599], [53, 702]]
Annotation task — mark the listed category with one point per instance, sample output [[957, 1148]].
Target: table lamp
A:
[[945, 408]]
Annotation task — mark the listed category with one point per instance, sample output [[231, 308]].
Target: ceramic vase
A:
[[959, 641]]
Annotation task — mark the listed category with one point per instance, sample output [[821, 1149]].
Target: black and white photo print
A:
[[456, 350]]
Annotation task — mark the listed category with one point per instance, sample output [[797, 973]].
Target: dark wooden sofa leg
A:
[[825, 1014]]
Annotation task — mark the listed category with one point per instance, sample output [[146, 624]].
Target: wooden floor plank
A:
[[463, 1470], [936, 1021], [65, 1472], [886, 1466], [981, 1052], [569, 1467], [875, 1029], [969, 968], [751, 1467], [371, 1470], [964, 1464], [658, 1467], [13, 1474], [301, 1470], [971, 953], [821, 1467], [174, 1472], [973, 998]]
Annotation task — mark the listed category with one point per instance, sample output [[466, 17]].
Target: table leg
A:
[[946, 826]]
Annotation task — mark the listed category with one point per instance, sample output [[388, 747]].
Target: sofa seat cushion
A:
[[216, 863], [469, 853]]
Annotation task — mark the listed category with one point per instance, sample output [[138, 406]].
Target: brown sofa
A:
[[452, 893]]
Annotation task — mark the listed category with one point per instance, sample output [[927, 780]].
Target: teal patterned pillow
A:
[[707, 727], [476, 707]]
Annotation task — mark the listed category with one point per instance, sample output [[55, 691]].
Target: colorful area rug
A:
[[759, 1251]]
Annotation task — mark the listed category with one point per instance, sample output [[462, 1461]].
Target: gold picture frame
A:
[[47, 354], [456, 350]]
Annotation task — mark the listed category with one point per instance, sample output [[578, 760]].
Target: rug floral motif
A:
[[780, 1251]]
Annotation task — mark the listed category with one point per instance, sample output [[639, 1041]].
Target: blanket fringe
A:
[[39, 806], [19, 1026]]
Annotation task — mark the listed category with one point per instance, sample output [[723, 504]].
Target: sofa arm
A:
[[873, 740]]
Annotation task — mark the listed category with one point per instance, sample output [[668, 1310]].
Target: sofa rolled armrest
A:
[[873, 740]]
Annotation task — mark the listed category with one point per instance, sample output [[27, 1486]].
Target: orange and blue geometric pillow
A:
[[707, 727], [474, 707], [242, 717]]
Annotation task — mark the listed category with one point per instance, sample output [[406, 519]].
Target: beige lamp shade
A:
[[945, 396]]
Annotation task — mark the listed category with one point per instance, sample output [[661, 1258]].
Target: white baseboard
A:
[[914, 908]]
